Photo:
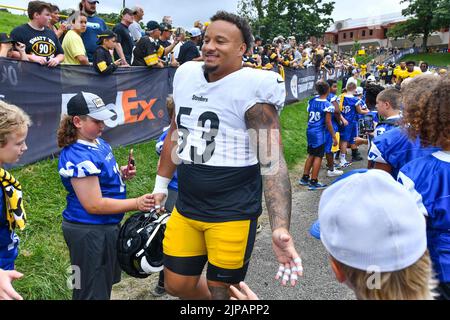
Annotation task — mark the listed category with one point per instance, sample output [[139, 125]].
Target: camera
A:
[[366, 125]]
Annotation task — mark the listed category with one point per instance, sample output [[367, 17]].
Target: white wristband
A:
[[161, 184]]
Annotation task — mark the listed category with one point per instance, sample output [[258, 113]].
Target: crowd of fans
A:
[[84, 39]]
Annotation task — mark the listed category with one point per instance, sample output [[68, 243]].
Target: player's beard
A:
[[207, 69]]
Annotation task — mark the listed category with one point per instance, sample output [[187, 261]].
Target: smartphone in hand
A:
[[131, 161]]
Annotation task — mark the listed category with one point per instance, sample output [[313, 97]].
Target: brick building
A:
[[372, 31]]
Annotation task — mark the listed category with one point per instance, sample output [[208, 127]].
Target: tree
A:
[[301, 18], [425, 17]]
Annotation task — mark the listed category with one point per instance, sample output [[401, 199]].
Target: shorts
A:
[[226, 246], [93, 257], [317, 151], [348, 133]]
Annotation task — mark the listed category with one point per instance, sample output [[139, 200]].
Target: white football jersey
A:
[[210, 116]]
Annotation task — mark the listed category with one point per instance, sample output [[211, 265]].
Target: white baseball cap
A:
[[369, 220], [195, 32], [371, 79]]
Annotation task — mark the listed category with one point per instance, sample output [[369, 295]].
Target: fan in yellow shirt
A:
[[74, 50], [410, 72]]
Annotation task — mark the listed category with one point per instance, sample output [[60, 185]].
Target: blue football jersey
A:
[[386, 125], [159, 145], [84, 159], [317, 108], [428, 180], [334, 98], [396, 149], [9, 241], [349, 108]]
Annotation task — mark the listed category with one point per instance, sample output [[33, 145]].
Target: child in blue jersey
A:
[[320, 112], [14, 123], [394, 149], [426, 100], [351, 107], [96, 200], [388, 107], [336, 119]]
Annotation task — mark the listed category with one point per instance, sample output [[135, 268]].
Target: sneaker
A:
[[303, 182], [344, 164], [258, 228], [334, 173], [158, 291], [316, 186]]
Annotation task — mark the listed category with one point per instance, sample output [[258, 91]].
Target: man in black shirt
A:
[[124, 35], [189, 50], [42, 44], [148, 50]]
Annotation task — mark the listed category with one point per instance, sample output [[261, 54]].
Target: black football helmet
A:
[[139, 246]]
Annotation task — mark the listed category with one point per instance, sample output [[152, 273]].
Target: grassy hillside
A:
[[435, 59], [9, 21], [43, 254]]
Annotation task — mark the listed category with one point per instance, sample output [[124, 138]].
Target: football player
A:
[[351, 106], [225, 126], [320, 112]]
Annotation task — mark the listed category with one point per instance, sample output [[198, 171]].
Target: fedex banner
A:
[[136, 95]]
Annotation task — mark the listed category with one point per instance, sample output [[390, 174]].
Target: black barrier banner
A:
[[136, 95], [299, 83]]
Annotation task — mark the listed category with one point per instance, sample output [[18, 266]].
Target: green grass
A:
[[364, 59], [9, 21], [43, 256], [434, 59]]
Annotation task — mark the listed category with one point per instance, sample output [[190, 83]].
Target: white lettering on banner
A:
[[117, 108], [8, 74], [294, 88]]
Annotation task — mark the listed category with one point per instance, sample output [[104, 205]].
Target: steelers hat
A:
[[88, 104], [107, 34]]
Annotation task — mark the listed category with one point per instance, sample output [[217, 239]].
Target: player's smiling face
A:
[[223, 48]]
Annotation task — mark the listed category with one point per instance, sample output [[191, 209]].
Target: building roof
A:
[[373, 21]]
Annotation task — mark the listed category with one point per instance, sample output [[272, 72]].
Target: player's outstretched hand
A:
[[160, 200], [290, 262], [245, 293]]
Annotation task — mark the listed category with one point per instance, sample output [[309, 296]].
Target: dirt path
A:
[[318, 281]]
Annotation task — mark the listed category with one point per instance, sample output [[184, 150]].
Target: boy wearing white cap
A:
[[376, 239]]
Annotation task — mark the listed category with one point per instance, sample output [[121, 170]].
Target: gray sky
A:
[[184, 13]]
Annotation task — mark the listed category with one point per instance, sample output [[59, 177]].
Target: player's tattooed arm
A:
[[264, 128]]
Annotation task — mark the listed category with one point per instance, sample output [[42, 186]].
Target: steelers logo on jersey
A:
[[43, 49]]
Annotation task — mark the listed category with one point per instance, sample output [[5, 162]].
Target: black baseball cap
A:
[[5, 38], [107, 34], [153, 25], [166, 27], [88, 104]]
